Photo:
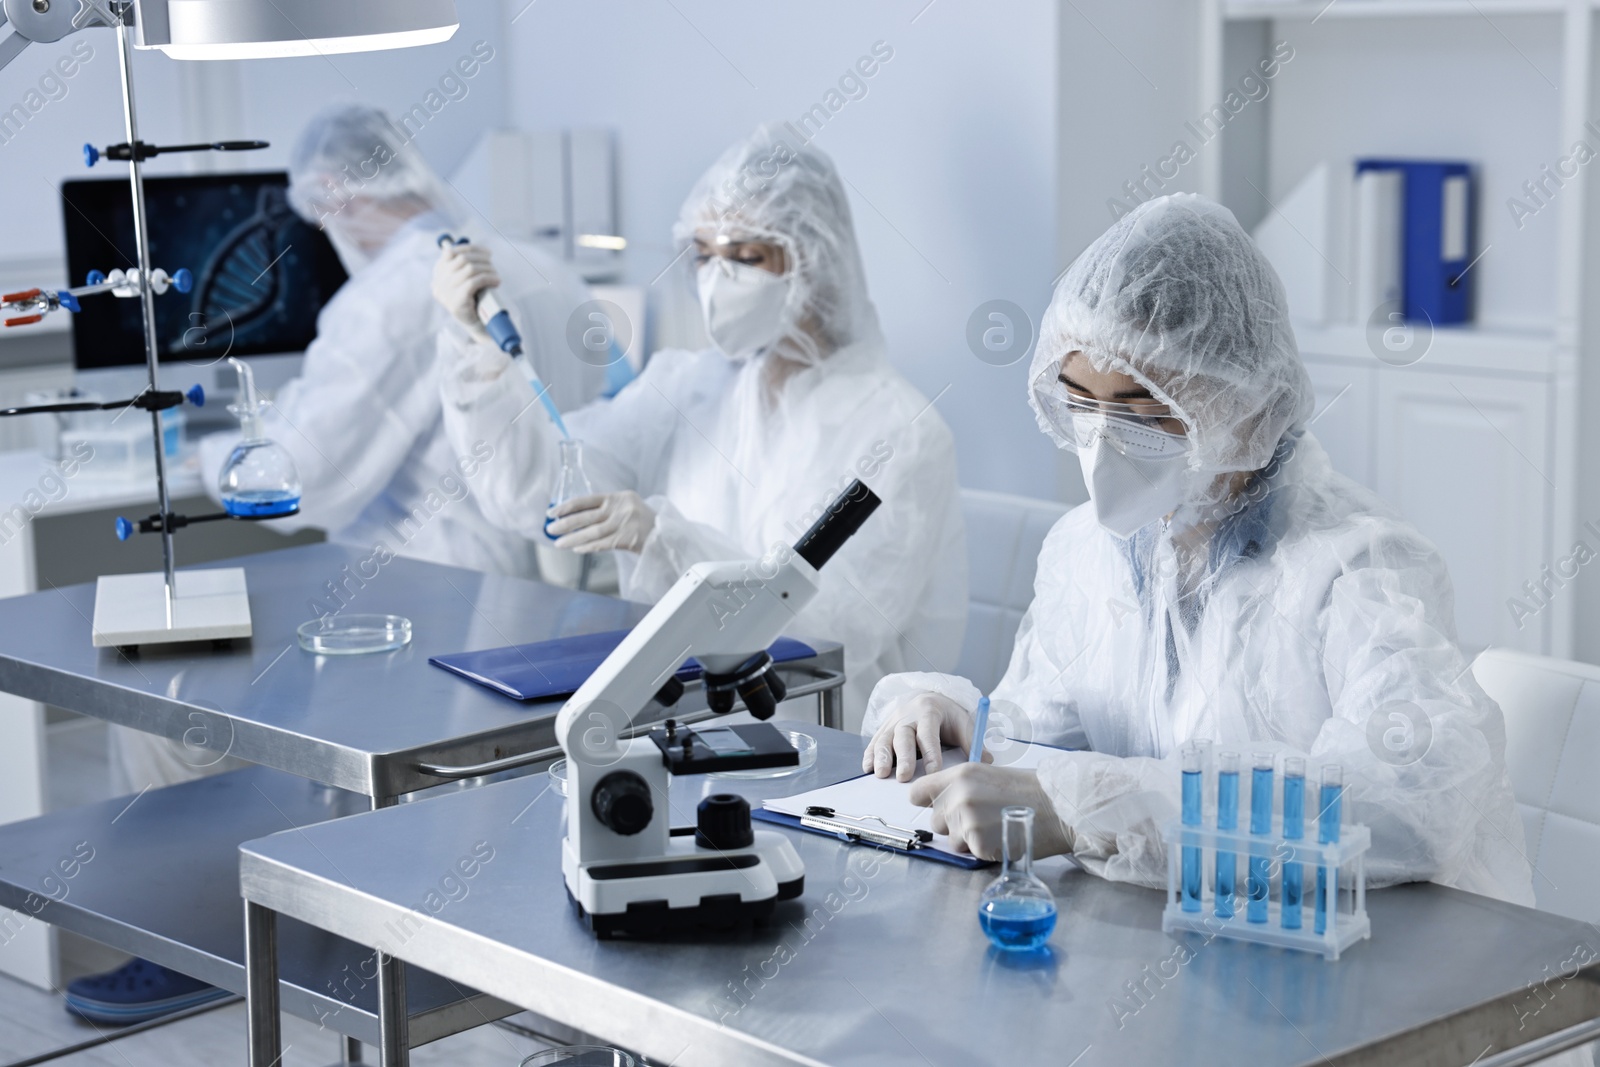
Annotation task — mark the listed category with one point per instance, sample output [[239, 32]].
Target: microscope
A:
[[627, 870]]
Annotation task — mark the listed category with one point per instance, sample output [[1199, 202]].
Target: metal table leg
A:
[[394, 1048], [830, 707], [261, 985]]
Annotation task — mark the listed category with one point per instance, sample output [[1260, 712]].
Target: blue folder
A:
[[545, 670], [1437, 237]]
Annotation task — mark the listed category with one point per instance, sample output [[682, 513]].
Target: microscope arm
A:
[[720, 613]]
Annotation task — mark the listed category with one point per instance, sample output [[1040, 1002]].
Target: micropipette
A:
[[503, 332]]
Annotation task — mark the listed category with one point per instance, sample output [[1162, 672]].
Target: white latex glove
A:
[[967, 800], [461, 273], [602, 523], [918, 726]]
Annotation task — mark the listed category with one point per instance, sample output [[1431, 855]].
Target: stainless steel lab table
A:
[[881, 960], [377, 726]]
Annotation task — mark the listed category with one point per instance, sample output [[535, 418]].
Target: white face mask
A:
[[743, 306], [1132, 483]]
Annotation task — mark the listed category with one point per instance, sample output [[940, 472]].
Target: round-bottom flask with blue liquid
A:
[[1017, 911], [259, 481]]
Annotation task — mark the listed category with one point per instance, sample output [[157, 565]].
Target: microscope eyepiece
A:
[[839, 522]]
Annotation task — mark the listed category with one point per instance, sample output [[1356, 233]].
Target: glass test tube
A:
[[1192, 764], [1330, 803], [1294, 829], [1227, 819], [1259, 880]]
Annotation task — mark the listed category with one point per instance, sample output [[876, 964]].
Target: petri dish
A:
[[804, 744], [580, 1056], [355, 635]]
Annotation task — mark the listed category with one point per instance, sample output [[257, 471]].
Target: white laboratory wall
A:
[[950, 156], [1124, 95], [260, 100]]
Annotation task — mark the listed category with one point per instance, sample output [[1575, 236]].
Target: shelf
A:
[[1453, 347], [1244, 10]]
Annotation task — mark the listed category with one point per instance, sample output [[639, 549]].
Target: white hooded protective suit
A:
[[735, 457], [362, 421], [1296, 615]]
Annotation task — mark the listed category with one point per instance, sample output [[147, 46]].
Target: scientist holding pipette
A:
[[731, 452], [362, 420], [1222, 583]]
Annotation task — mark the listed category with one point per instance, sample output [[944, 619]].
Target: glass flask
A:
[[571, 482], [1017, 911], [259, 480]]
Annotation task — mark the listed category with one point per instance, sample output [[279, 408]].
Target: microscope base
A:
[[689, 889]]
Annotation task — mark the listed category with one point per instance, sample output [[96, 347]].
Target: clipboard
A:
[[544, 670], [954, 859], [865, 810]]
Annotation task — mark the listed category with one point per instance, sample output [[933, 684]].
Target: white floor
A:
[[33, 1022]]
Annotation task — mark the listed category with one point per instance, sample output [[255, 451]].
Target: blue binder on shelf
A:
[[1436, 238], [545, 670]]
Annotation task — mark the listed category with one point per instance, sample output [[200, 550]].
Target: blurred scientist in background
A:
[[726, 452], [362, 420]]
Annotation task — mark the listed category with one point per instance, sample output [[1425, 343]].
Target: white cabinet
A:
[[1467, 458]]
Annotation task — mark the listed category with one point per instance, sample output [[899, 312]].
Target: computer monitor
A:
[[261, 273]]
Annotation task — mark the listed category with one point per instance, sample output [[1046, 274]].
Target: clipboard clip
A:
[[857, 828]]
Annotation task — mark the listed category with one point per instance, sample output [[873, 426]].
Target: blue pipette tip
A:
[[69, 301], [124, 529], [183, 281], [196, 396], [91, 155]]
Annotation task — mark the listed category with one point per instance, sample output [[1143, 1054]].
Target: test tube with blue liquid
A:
[[1329, 812], [1294, 829], [1227, 819], [1193, 791], [1259, 880]]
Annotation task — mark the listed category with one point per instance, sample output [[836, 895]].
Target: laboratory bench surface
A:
[[363, 723], [881, 961]]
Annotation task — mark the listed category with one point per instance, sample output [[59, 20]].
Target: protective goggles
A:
[[1144, 429]]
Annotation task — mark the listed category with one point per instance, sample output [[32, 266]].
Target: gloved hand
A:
[[461, 273], [919, 725], [967, 800], [602, 522]]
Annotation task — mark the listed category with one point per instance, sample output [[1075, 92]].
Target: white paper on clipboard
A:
[[890, 800]]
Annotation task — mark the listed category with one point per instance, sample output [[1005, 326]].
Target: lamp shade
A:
[[260, 29]]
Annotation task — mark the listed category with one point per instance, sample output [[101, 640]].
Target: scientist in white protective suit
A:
[[362, 420], [730, 451], [1222, 583]]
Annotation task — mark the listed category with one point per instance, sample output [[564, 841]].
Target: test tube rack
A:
[[1344, 862]]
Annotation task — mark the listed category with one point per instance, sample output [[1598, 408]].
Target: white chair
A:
[[1552, 713], [1004, 535]]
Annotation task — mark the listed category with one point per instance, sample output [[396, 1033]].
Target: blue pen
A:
[[980, 726]]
